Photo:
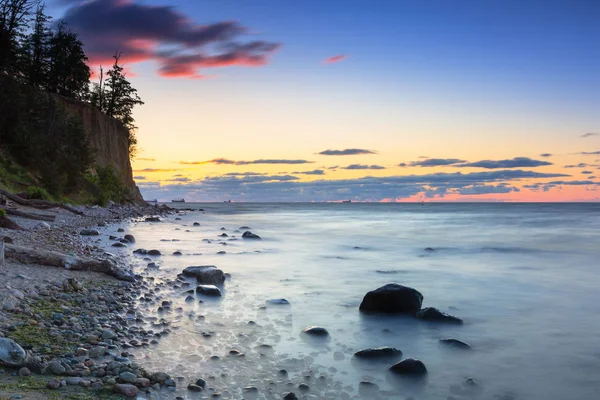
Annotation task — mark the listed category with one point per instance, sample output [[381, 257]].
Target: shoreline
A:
[[70, 325]]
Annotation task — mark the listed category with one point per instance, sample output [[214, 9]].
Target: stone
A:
[[142, 382], [315, 331], [205, 274], [152, 219], [140, 251], [392, 298], [152, 265], [126, 389], [250, 389], [120, 230], [409, 366], [127, 377], [433, 314], [290, 396], [118, 244], [170, 383], [11, 354], [250, 235], [196, 224], [278, 301], [75, 381], [159, 377], [378, 353], [24, 371], [194, 388], [89, 232], [56, 368], [189, 299], [209, 290], [201, 382], [53, 384], [129, 238], [176, 253], [455, 343], [108, 334], [154, 253]]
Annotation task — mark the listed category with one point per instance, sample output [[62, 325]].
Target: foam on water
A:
[[523, 277]]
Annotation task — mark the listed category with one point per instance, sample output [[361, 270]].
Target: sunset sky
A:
[[305, 100]]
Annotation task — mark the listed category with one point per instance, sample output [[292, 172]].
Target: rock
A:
[[53, 384], [126, 389], [170, 383], [124, 241], [201, 382], [89, 232], [378, 353], [75, 381], [194, 388], [429, 249], [176, 253], [315, 331], [159, 377], [127, 377], [142, 382], [7, 240], [152, 219], [196, 224], [119, 244], [455, 343], [152, 265], [108, 334], [250, 389], [56, 368], [392, 298], [43, 225], [290, 396], [223, 235], [189, 299], [154, 253], [244, 228], [130, 238], [81, 352], [140, 251], [209, 290], [433, 314], [120, 230], [278, 301], [24, 371], [410, 366], [205, 274], [250, 235]]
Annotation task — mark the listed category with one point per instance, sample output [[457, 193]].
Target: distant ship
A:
[[227, 201], [346, 201], [151, 201], [178, 201]]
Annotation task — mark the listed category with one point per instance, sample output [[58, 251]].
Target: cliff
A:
[[108, 138]]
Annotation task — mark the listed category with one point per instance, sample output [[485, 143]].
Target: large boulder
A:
[[410, 366], [433, 314], [209, 290], [379, 353], [205, 274], [11, 354], [392, 298], [250, 235]]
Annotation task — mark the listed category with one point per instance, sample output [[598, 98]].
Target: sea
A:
[[525, 279]]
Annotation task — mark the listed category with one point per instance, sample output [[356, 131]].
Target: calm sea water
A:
[[524, 277]]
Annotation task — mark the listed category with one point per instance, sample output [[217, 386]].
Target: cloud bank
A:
[[346, 152]]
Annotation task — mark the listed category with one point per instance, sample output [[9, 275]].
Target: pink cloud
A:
[[335, 59]]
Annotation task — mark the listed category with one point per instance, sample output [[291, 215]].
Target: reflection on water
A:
[[523, 278]]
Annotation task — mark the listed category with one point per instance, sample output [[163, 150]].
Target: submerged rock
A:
[[315, 331], [130, 238], [250, 235], [205, 274], [154, 253], [209, 290], [455, 343], [433, 314], [152, 219], [378, 352], [119, 244], [278, 301], [410, 366], [140, 251], [392, 298]]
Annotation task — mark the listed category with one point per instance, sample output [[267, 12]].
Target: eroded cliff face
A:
[[108, 138]]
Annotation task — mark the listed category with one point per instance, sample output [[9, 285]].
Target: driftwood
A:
[[44, 204], [2, 254], [39, 217], [28, 255], [7, 223]]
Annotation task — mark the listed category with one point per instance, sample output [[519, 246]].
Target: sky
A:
[[399, 100]]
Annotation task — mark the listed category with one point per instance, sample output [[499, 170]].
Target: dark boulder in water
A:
[[205, 274], [429, 249], [250, 235], [392, 298], [224, 235], [176, 253], [120, 230], [209, 290], [119, 244], [140, 251], [278, 301], [152, 219], [196, 224], [154, 253], [290, 396], [130, 238], [89, 232], [459, 344], [378, 353], [315, 331], [433, 314], [410, 366]]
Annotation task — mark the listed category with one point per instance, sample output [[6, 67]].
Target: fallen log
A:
[[7, 223], [28, 255], [38, 203], [39, 217]]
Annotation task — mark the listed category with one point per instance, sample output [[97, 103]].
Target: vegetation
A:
[[38, 62]]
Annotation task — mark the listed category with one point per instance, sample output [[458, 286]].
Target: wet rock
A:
[[303, 387], [250, 389], [315, 331], [429, 249], [24, 371], [278, 301], [159, 377], [56, 368], [410, 366], [170, 383], [290, 396], [130, 238], [221, 252], [142, 382], [392, 298], [205, 274], [120, 230], [455, 343], [223, 235], [127, 377], [176, 253], [244, 228], [140, 251], [196, 224], [152, 265], [89, 232], [367, 388], [194, 388], [154, 253], [433, 314], [250, 235], [378, 353], [108, 334], [126, 389], [152, 219], [53, 384], [119, 244]]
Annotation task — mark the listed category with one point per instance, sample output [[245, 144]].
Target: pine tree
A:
[[14, 18], [36, 50], [69, 73]]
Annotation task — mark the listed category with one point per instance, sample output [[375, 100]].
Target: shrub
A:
[[2, 213], [35, 192]]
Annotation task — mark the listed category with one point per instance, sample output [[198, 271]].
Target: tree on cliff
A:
[[36, 50], [14, 18], [116, 98], [68, 73]]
